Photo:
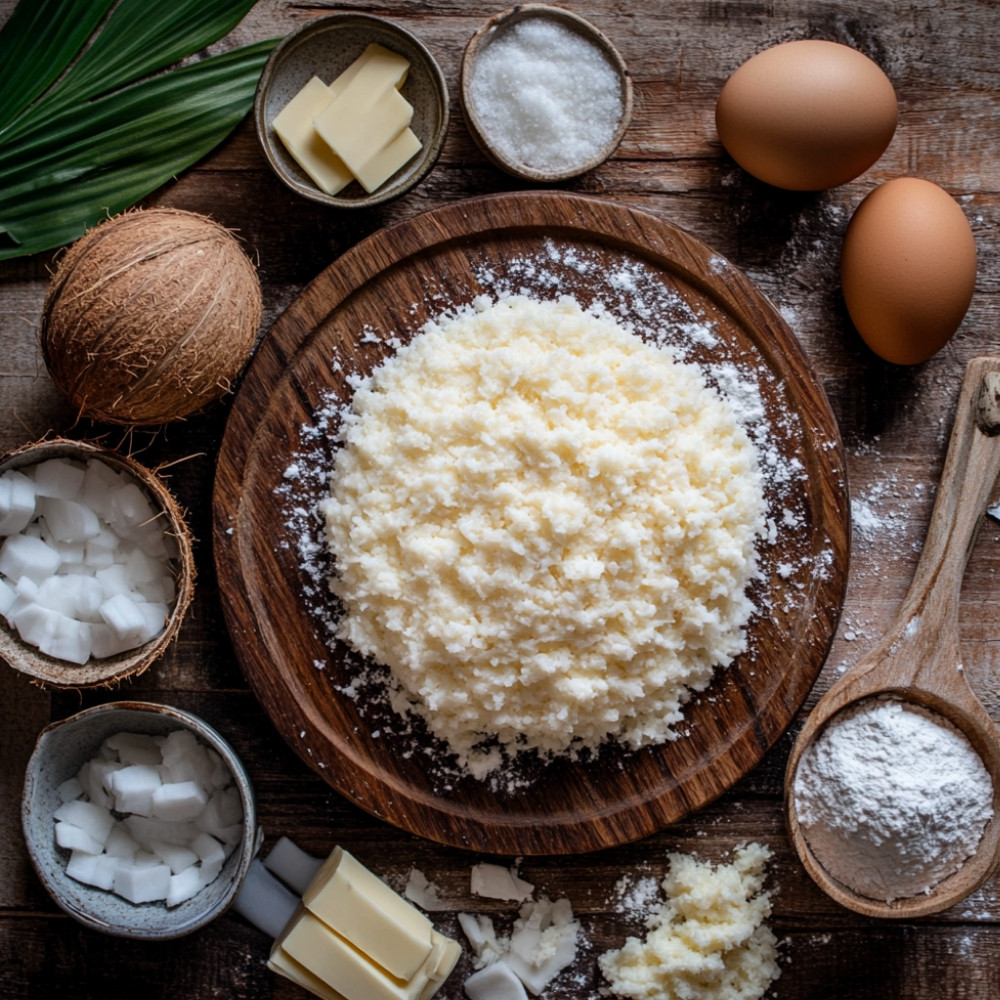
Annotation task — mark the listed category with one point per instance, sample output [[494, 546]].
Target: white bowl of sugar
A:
[[546, 94]]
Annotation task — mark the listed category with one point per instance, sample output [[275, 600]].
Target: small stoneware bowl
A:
[[47, 671], [496, 28], [324, 47], [60, 751]]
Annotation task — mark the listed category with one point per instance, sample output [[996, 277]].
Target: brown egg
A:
[[807, 115], [908, 269]]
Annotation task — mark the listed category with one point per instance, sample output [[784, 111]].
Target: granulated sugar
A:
[[546, 98], [635, 295]]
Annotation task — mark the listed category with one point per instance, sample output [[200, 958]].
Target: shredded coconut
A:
[[633, 292], [891, 800], [708, 940], [545, 527]]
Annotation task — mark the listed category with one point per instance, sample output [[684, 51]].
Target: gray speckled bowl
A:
[[59, 752], [324, 47]]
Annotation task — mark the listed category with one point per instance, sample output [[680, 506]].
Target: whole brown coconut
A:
[[150, 316]]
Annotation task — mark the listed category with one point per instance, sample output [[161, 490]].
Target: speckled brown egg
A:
[[908, 269], [807, 115]]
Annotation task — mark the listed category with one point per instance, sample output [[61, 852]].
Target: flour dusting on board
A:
[[638, 299]]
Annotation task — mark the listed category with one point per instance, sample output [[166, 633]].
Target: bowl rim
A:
[[586, 29], [49, 672], [339, 20], [244, 854]]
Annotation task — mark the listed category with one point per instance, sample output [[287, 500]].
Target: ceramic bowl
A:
[[60, 751], [324, 47], [496, 28], [48, 671]]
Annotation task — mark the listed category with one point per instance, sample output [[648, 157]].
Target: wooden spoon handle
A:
[[970, 472]]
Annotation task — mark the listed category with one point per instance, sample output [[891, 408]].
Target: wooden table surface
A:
[[943, 56]]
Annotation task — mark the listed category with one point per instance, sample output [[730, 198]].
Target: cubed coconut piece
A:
[[133, 788], [17, 502], [94, 819], [123, 617], [175, 856], [178, 801], [73, 838], [140, 883], [68, 520], [494, 982], [27, 556], [59, 477], [136, 748], [97, 870], [184, 885]]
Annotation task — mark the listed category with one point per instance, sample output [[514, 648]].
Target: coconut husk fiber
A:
[[150, 316]]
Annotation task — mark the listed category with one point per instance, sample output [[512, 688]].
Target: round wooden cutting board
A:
[[274, 466]]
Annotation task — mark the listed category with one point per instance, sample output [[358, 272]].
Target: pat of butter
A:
[[357, 126], [294, 127], [388, 160], [313, 955], [359, 906]]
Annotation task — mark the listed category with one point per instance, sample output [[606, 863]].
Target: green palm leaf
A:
[[73, 157]]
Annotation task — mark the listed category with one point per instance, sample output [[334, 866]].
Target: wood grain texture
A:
[[343, 326], [943, 57], [919, 660]]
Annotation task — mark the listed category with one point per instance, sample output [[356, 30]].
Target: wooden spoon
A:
[[918, 660]]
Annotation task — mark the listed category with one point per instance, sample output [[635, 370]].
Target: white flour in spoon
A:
[[892, 801]]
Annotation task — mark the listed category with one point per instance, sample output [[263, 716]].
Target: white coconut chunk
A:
[[162, 590], [496, 882], [142, 883], [26, 556], [295, 867], [7, 597], [73, 838], [17, 502], [69, 790], [208, 849], [59, 593], [179, 801], [209, 871], [147, 859], [183, 885], [121, 843], [192, 765], [481, 935], [104, 642], [59, 477], [94, 775], [69, 520], [420, 890], [133, 788], [142, 569], [220, 776], [494, 982], [71, 641], [99, 551], [135, 748], [543, 942], [177, 857], [97, 870], [147, 830], [264, 901], [129, 509], [94, 819], [123, 617], [99, 479], [153, 540]]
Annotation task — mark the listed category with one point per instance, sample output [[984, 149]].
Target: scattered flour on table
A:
[[634, 295]]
